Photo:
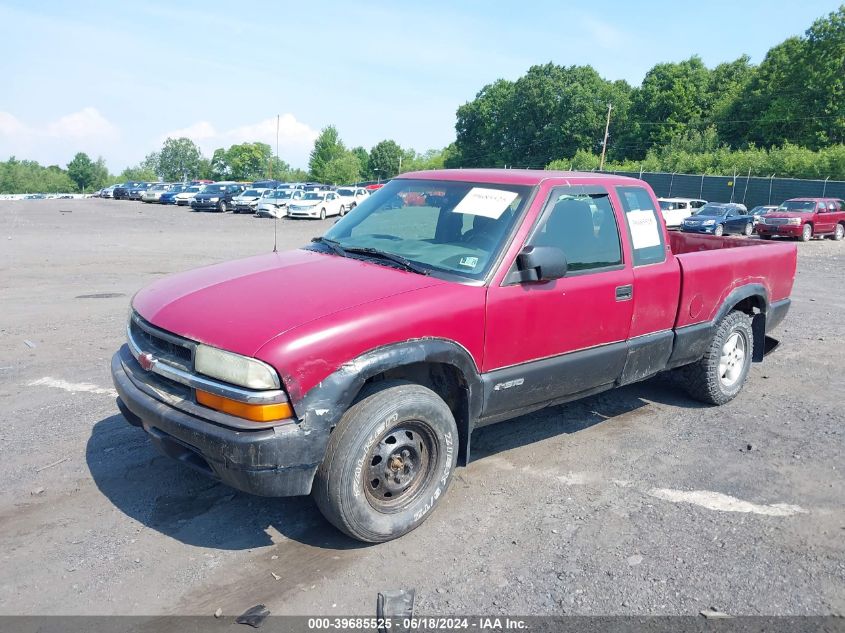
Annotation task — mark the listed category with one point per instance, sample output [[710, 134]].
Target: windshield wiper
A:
[[390, 257], [332, 244]]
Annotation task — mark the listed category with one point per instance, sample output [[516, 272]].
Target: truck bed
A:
[[712, 267]]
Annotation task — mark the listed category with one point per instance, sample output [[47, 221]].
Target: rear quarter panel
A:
[[712, 267]]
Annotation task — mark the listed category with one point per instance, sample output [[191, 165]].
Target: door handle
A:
[[624, 293]]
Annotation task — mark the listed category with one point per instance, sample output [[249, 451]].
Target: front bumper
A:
[[698, 229], [273, 462], [787, 230], [204, 204], [303, 213]]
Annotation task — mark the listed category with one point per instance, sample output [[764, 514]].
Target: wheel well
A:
[[752, 305], [447, 381], [755, 307]]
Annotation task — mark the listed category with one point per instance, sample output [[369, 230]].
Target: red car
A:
[[371, 354], [804, 218]]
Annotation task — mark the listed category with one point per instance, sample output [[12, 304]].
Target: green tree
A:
[[385, 158], [343, 170], [245, 161], [363, 160], [179, 159], [87, 174], [327, 147]]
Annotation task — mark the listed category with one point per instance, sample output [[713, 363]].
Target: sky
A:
[[115, 79]]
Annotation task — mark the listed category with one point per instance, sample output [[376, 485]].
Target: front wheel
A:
[[720, 374], [221, 206], [839, 233], [322, 214], [749, 229], [806, 233], [388, 463], [719, 230], [342, 210]]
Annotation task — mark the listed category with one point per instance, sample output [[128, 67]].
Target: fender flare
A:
[[322, 407]]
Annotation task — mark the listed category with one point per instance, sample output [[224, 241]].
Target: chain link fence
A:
[[751, 191]]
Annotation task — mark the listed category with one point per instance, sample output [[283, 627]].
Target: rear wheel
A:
[[806, 233], [719, 230], [342, 210], [720, 374], [749, 229], [839, 233], [388, 463]]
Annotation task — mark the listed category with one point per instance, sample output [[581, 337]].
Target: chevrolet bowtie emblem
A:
[[146, 361]]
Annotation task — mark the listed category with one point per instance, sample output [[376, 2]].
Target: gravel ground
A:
[[637, 501]]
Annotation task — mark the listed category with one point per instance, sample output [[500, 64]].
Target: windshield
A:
[[282, 194], [346, 192], [158, 187], [314, 196], [251, 192], [712, 210], [797, 205], [452, 227], [193, 189], [213, 189]]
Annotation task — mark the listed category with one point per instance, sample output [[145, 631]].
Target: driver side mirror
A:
[[541, 263]]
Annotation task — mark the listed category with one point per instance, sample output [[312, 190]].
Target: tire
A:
[[807, 233], [719, 230], [322, 214], [221, 206], [342, 210], [396, 425], [720, 374], [749, 229], [839, 233]]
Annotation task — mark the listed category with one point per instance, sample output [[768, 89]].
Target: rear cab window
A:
[[644, 229]]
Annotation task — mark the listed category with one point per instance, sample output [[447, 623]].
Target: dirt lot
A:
[[638, 501]]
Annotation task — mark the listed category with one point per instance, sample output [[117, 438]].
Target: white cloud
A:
[[55, 141], [295, 137], [603, 33]]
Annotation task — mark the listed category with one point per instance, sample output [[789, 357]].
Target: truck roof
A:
[[514, 176]]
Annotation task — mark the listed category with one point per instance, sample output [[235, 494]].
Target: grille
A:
[[776, 221], [149, 341]]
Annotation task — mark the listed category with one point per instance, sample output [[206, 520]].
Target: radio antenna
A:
[[275, 239]]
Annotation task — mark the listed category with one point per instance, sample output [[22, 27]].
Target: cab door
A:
[[825, 218], [550, 340]]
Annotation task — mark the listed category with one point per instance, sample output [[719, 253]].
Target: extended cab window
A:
[[644, 228], [580, 221]]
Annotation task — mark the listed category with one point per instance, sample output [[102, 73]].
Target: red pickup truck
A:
[[356, 368], [804, 218]]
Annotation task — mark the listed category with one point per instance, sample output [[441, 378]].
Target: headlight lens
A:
[[795, 221], [708, 222], [234, 368], [215, 199]]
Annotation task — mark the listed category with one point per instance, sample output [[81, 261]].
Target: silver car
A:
[[274, 203]]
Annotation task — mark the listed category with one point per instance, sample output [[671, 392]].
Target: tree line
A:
[[795, 98]]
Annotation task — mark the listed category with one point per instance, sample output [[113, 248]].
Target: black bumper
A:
[[273, 462]]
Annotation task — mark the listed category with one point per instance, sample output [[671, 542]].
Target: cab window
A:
[[644, 228], [580, 221]]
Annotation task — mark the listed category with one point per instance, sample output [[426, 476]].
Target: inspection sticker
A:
[[469, 262], [644, 232], [490, 203]]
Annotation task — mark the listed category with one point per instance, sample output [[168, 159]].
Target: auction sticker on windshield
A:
[[490, 203]]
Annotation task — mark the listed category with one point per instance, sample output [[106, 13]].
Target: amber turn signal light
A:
[[253, 412]]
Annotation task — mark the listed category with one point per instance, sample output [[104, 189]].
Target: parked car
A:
[[183, 198], [169, 196], [275, 202], [108, 192], [121, 192], [805, 218], [720, 218], [761, 210], [352, 196], [216, 197], [138, 190], [317, 204], [360, 364], [154, 192], [247, 201], [675, 210], [266, 184]]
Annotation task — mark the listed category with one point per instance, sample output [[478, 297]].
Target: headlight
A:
[[794, 221], [708, 222], [215, 199], [761, 220], [234, 368]]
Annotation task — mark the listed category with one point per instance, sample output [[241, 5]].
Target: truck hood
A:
[[240, 305], [789, 214]]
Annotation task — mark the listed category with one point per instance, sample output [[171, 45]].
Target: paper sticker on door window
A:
[[469, 262], [644, 229], [490, 203]]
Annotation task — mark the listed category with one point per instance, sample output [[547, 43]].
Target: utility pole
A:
[[606, 131]]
